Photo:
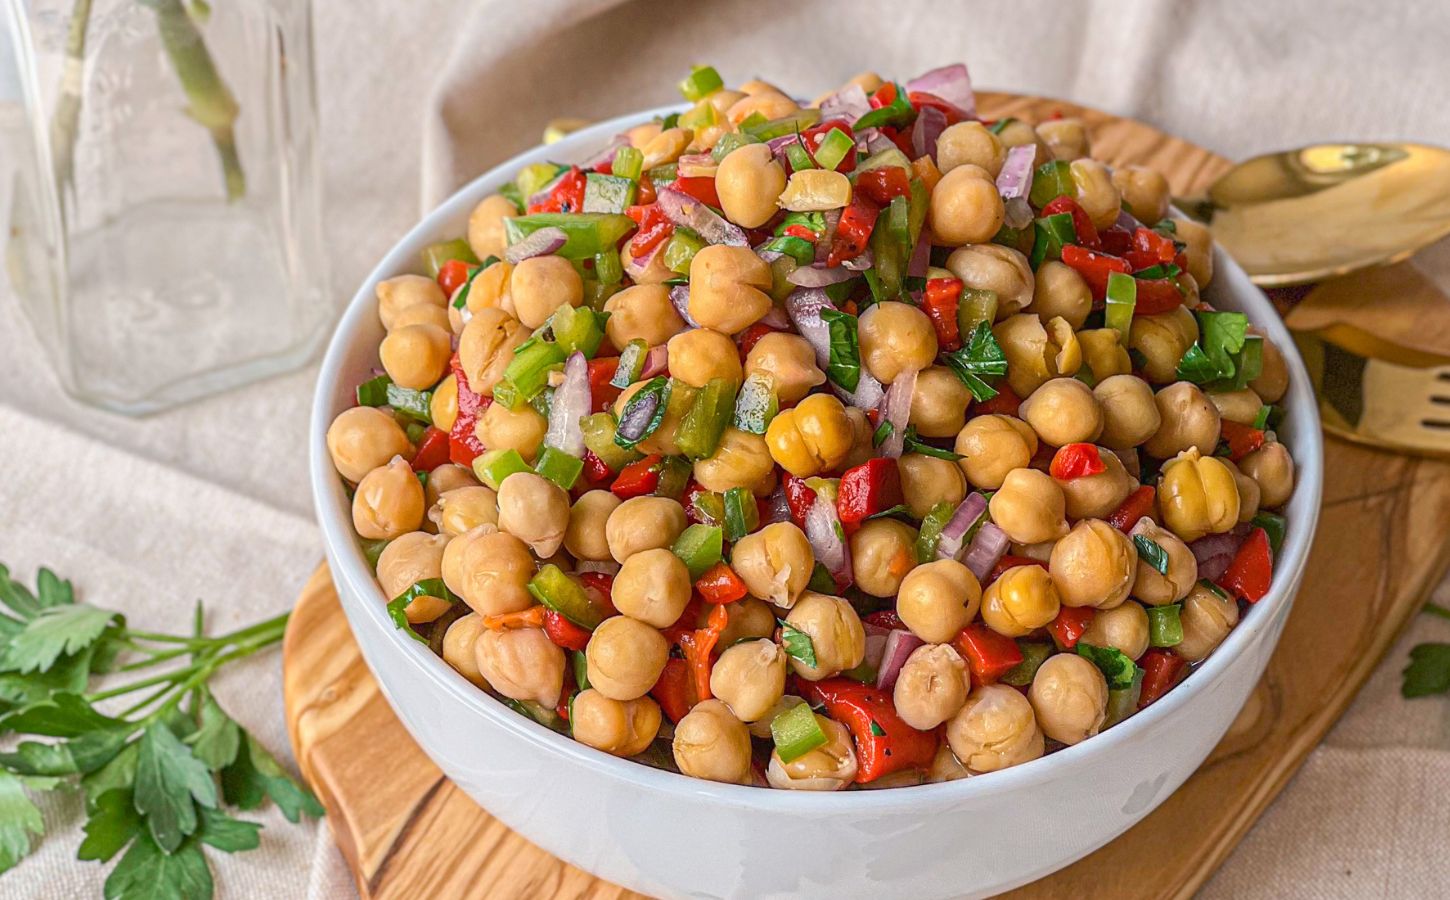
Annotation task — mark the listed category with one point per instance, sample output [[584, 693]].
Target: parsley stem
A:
[[259, 636], [145, 702], [153, 659], [1436, 609]]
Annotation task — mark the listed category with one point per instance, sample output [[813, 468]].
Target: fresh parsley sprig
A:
[[155, 774], [1429, 670]]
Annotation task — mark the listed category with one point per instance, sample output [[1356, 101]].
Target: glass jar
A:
[[164, 211]]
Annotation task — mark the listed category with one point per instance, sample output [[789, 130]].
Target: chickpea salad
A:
[[860, 442]]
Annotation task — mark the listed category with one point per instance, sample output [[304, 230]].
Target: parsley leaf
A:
[[256, 775], [1428, 672], [19, 819], [84, 754], [168, 779], [56, 630], [844, 367], [230, 835], [111, 826], [59, 715], [797, 644], [914, 444], [147, 872], [982, 357], [1152, 553], [215, 743], [1119, 670], [398, 606]]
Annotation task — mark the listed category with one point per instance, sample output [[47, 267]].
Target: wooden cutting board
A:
[[408, 832]]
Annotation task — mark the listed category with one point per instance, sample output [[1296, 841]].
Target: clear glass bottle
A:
[[165, 225]]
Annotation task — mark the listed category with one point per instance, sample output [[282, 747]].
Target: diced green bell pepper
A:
[[559, 467], [1122, 301], [756, 405], [1034, 654], [681, 249], [607, 193], [700, 83], [674, 477], [1123, 702], [588, 233], [1274, 526], [976, 305], [1165, 626], [565, 596], [435, 255], [599, 438], [796, 732], [791, 124], [493, 466], [742, 516], [931, 527], [528, 371], [1049, 234], [628, 163], [701, 428], [607, 268], [699, 547], [798, 157], [631, 363], [577, 328], [1052, 180], [833, 149]]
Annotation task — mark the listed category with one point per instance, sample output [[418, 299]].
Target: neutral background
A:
[[416, 97]]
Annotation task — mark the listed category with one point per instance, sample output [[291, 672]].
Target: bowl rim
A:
[[356, 579]]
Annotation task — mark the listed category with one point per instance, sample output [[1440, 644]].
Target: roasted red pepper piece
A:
[[885, 618], [989, 655], [1070, 625], [1006, 402], [673, 691], [654, 229], [867, 489], [940, 302], [563, 632], [432, 450], [702, 188], [1076, 461], [1094, 268], [1157, 296], [921, 100], [1242, 439], [1160, 673], [1116, 241], [595, 469], [801, 232], [884, 183], [853, 231], [602, 394], [859, 707], [1087, 233], [719, 584], [638, 478], [1138, 505], [463, 444], [600, 588], [1252, 571], [750, 336], [566, 196], [697, 646], [1149, 249], [799, 498], [453, 274], [1011, 562]]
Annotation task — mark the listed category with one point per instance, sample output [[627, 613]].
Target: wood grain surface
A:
[[408, 832]]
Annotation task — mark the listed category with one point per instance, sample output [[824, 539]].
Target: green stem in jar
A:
[[65, 121]]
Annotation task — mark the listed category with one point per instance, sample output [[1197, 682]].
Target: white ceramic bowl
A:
[[669, 835]]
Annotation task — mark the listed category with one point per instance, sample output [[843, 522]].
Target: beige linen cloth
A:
[[210, 500]]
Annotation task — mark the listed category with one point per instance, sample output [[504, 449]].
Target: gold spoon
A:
[[1329, 209]]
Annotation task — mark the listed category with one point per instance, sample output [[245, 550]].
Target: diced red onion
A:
[[777, 507], [954, 532], [860, 263], [777, 147], [775, 317], [697, 165], [899, 645], [1214, 553], [832, 218], [637, 415], [570, 403], [682, 209], [868, 394], [804, 307], [896, 409], [986, 550], [876, 636], [655, 361], [951, 83], [608, 566], [819, 276], [920, 261], [680, 297], [930, 123], [540, 243], [823, 529], [1127, 222], [635, 267], [1014, 183], [849, 103], [607, 154], [874, 140]]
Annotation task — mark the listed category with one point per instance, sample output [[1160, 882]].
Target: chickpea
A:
[[445, 478], [1022, 599], [1070, 697], [1067, 358], [1189, 420], [1272, 469], [927, 481], [1030, 354], [1060, 291], [490, 570], [1103, 351], [621, 728], [726, 287], [749, 181], [1157, 589], [666, 147], [1123, 628], [652, 586], [1273, 381], [460, 647], [1197, 495], [585, 537], [487, 346], [932, 686], [835, 631], [996, 729], [1130, 413], [522, 664], [790, 362], [1017, 133], [1249, 493], [1094, 565], [443, 406], [1162, 340], [965, 207], [970, 143], [388, 502], [642, 134], [768, 101], [625, 657], [700, 354], [1199, 250], [398, 293], [1063, 411], [938, 599], [883, 551], [862, 448], [749, 618], [1098, 496], [1096, 193], [1191, 294], [643, 312], [1067, 138], [1237, 406], [407, 560], [775, 563], [750, 678], [416, 356], [535, 510], [939, 403], [643, 523], [490, 289], [463, 509], [829, 767], [992, 446], [741, 460], [541, 285], [812, 437], [486, 225], [868, 81], [522, 429], [1029, 506], [1144, 191], [945, 766], [423, 314], [895, 337], [712, 744], [650, 268], [1002, 270], [363, 438], [1207, 618]]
